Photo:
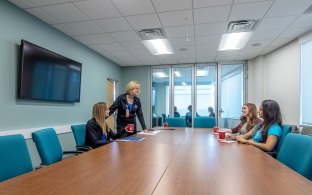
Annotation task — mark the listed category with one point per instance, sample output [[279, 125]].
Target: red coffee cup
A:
[[221, 135], [216, 129], [165, 124], [130, 127]]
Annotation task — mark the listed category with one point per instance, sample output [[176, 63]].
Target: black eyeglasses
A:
[[101, 102]]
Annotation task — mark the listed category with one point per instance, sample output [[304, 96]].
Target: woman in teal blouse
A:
[[266, 134]]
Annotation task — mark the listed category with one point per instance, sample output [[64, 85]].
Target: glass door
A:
[[160, 95], [231, 94], [205, 94]]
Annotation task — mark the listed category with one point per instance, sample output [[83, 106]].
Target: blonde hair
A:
[[98, 113], [132, 85]]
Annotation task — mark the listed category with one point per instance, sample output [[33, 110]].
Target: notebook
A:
[[130, 139]]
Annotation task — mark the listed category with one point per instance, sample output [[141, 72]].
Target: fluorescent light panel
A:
[[160, 74], [177, 73], [233, 41], [158, 46]]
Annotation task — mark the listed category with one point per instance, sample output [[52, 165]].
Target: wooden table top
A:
[[182, 161]]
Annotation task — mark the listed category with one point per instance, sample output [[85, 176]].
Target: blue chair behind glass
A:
[[15, 158]]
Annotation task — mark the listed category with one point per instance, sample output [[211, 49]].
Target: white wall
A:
[[277, 76]]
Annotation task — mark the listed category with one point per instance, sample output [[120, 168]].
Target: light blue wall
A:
[[141, 74], [16, 24]]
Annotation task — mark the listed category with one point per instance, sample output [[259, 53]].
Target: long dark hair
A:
[[271, 115]]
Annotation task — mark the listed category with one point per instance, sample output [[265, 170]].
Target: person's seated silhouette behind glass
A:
[[176, 113], [188, 116], [211, 113]]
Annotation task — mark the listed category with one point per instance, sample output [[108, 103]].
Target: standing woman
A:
[[97, 131], [248, 119], [128, 106], [265, 135]]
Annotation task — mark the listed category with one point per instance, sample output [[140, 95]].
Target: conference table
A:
[[180, 161]]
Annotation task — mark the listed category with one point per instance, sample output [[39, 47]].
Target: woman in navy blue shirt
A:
[[97, 131], [129, 106]]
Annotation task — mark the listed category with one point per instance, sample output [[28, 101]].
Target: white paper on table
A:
[[227, 141], [148, 132]]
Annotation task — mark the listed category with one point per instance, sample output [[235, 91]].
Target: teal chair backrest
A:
[[79, 132], [285, 130], [175, 122], [48, 146], [204, 122], [296, 153], [15, 158]]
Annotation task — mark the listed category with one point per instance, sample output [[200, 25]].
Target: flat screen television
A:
[[47, 76]]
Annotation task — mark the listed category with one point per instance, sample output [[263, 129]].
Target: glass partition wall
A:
[[188, 95]]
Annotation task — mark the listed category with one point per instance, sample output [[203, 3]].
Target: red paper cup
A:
[[221, 135], [216, 129], [165, 124], [130, 127]]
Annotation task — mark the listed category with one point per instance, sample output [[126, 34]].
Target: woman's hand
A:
[[241, 139]]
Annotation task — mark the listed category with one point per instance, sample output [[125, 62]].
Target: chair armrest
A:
[[72, 152], [84, 148], [273, 154]]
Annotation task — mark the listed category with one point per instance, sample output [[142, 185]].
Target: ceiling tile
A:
[[83, 39], [181, 41], [112, 47], [23, 4], [247, 11], [207, 48], [275, 23], [180, 31], [207, 40], [212, 28], [114, 24], [172, 5], [97, 9], [100, 38], [125, 36], [39, 13], [142, 52], [148, 60], [246, 1], [211, 14], [146, 21], [266, 34], [85, 28], [134, 7], [302, 22], [47, 2], [66, 29], [293, 33], [205, 3], [135, 45], [65, 12], [176, 18], [288, 7], [120, 54]]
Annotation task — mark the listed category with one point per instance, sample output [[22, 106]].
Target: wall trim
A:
[[27, 132]]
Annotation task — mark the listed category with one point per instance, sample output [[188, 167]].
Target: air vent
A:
[[241, 26], [150, 34]]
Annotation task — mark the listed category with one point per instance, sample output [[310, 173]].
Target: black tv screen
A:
[[47, 76]]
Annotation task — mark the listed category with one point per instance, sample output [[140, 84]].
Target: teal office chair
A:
[[79, 132], [49, 147], [175, 122], [296, 153], [204, 122], [285, 130], [15, 158]]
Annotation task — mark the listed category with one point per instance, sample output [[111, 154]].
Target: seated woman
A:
[[211, 113], [97, 131], [176, 113], [266, 134], [248, 119]]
